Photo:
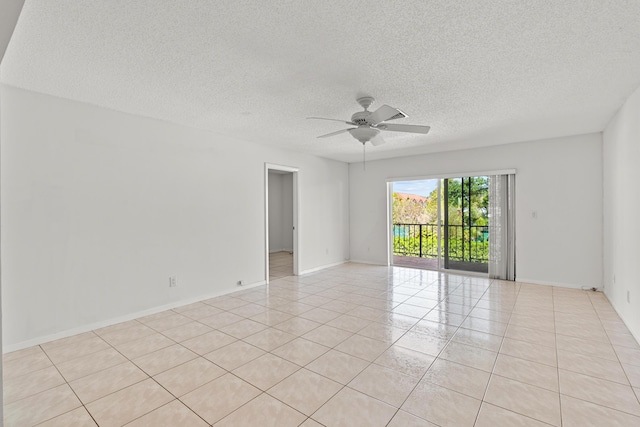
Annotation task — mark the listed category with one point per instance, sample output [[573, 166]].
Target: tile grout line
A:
[[614, 351], [555, 338], [72, 390], [160, 332], [518, 381], [154, 380], [431, 364], [372, 363], [497, 356], [369, 291], [235, 375]]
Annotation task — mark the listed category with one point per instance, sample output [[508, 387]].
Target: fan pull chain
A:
[[364, 158]]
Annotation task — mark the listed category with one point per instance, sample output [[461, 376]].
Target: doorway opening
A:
[[281, 219], [441, 223]]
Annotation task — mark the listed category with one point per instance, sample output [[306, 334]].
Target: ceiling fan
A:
[[369, 124]]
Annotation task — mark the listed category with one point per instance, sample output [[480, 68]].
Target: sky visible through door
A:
[[419, 188]]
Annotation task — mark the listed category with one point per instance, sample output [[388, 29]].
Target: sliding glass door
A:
[[441, 223], [466, 223]]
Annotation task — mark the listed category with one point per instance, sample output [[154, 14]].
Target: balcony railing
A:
[[466, 243]]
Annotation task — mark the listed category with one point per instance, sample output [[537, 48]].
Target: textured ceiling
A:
[[478, 72]]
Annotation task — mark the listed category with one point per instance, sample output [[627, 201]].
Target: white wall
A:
[[99, 208], [9, 13], [280, 212], [621, 147], [560, 179]]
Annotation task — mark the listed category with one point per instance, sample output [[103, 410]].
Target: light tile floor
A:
[[353, 345], [280, 265]]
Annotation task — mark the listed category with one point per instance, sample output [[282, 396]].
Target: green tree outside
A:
[[467, 218]]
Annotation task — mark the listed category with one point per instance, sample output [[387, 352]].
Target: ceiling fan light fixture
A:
[[369, 124], [364, 133]]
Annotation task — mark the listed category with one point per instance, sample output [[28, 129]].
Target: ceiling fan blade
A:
[[333, 120], [377, 140], [404, 128], [384, 113], [334, 133]]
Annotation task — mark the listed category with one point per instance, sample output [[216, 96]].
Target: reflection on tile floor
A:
[[280, 265], [354, 345]]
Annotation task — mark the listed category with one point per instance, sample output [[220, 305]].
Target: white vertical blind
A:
[[502, 227]]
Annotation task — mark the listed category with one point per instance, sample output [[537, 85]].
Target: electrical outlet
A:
[[629, 297], [173, 281]]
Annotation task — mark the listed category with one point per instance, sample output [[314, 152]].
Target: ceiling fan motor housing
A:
[[360, 118]]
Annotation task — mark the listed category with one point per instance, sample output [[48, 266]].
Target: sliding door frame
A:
[[391, 180]]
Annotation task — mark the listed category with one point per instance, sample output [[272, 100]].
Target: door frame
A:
[[296, 210]]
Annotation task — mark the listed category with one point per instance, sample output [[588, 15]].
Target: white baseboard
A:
[[322, 267], [358, 261], [558, 284], [101, 324]]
